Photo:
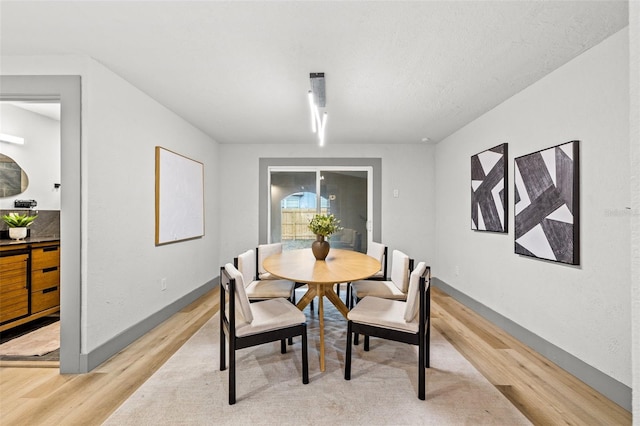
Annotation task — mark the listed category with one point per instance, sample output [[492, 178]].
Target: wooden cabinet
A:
[[14, 289], [29, 282], [45, 278]]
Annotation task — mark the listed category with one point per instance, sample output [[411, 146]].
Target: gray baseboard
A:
[[606, 385], [105, 351]]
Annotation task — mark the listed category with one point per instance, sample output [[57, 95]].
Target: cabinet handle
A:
[[49, 290], [54, 248], [51, 269]]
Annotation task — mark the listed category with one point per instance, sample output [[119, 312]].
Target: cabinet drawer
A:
[[45, 299], [45, 257], [45, 278]]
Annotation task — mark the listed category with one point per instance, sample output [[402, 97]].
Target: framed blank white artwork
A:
[[179, 197]]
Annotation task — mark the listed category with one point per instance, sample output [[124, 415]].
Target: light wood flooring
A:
[[547, 395]]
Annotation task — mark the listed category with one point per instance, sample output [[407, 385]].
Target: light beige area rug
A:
[[37, 343], [190, 390]]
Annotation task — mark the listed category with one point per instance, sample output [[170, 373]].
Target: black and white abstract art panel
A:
[[488, 195], [547, 204]]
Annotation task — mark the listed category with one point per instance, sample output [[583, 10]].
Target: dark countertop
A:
[[29, 240]]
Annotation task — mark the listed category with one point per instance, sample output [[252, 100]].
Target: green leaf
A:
[[324, 225], [16, 220]]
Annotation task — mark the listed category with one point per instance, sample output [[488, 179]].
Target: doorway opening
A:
[[30, 185], [66, 90]]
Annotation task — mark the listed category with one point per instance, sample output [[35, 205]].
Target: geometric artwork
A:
[[547, 207], [488, 194]]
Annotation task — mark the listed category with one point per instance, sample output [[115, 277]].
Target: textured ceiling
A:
[[396, 72]]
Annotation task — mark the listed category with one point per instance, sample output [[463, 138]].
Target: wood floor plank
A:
[[23, 382], [47, 387], [30, 364], [563, 389], [475, 324], [542, 391], [472, 348]]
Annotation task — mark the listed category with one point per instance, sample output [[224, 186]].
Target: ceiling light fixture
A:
[[317, 100], [11, 139]]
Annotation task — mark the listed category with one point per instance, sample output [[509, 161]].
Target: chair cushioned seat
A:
[[269, 315], [385, 289], [268, 276], [267, 289], [382, 313]]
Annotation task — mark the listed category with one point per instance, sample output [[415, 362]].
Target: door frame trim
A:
[[67, 89]]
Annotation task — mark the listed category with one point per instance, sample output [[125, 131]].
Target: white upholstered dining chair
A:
[[246, 324], [377, 251], [261, 289], [401, 321], [395, 289], [262, 252]]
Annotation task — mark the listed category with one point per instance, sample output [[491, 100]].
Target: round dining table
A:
[[340, 266]]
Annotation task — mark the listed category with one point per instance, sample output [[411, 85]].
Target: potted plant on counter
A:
[[17, 224], [322, 225]]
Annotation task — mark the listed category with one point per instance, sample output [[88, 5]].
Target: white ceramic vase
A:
[[17, 233]]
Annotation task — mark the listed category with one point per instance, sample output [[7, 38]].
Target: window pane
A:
[[293, 203], [346, 192]]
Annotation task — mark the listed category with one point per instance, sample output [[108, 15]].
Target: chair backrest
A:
[[264, 251], [237, 288], [379, 251], [400, 270], [347, 235], [246, 266], [376, 250], [412, 305]]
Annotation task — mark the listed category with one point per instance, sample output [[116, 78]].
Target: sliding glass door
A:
[[296, 194]]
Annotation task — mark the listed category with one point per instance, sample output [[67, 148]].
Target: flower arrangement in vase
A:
[[323, 225], [17, 224]]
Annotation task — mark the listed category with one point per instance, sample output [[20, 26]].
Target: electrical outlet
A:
[[163, 284], [396, 193], [457, 270]]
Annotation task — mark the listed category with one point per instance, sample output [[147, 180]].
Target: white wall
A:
[[39, 157], [634, 111], [583, 310], [124, 267], [121, 266], [407, 221]]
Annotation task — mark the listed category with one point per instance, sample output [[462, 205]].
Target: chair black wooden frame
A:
[[421, 338], [228, 328]]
